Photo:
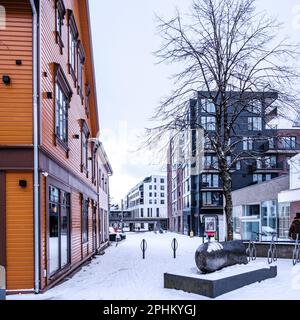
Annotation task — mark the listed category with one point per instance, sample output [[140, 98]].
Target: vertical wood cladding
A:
[[16, 98], [19, 231], [51, 54], [16, 128]]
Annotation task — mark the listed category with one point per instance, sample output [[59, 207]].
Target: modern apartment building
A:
[[54, 174], [147, 202], [195, 196]]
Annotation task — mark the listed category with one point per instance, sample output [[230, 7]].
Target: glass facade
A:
[[59, 229], [259, 221]]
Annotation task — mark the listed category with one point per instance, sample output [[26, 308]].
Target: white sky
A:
[[130, 84]]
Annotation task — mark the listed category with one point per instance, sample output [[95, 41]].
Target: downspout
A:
[[35, 148]]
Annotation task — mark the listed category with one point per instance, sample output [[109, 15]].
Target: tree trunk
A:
[[226, 179]]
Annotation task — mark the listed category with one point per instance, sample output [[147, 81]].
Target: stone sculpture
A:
[[213, 256]]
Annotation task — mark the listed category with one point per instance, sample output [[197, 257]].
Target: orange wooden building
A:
[[52, 164]]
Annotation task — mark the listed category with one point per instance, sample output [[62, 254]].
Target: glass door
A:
[[59, 229]]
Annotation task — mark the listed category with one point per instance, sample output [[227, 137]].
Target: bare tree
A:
[[232, 54]]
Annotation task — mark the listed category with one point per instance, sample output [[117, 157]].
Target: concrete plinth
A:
[[216, 287]]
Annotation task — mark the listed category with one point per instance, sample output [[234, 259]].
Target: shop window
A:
[[59, 229], [85, 220]]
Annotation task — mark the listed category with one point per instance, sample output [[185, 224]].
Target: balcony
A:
[[207, 186], [211, 167], [212, 205]]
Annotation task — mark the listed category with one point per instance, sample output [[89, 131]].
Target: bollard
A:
[[2, 283], [144, 247], [174, 246]]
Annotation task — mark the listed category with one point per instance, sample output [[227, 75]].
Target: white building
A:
[[148, 203], [104, 172], [289, 200]]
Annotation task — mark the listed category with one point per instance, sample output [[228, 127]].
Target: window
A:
[[148, 212], [87, 98], [260, 177], [207, 143], [162, 180], [59, 229], [150, 201], [154, 180], [212, 180], [211, 199], [63, 94], [80, 63], [268, 218], [207, 106], [150, 194], [284, 220], [85, 220], [157, 212], [73, 36], [150, 187], [247, 144], [238, 165], [254, 124], [155, 201], [155, 187], [228, 161], [270, 162], [94, 163], [162, 201], [155, 194], [162, 195], [142, 213], [208, 123], [61, 112], [255, 107], [271, 143], [287, 143], [210, 162], [162, 188], [60, 12], [85, 147]]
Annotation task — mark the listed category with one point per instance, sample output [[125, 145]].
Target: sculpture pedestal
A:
[[214, 285]]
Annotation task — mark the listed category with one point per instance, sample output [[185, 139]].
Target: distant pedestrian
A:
[[295, 227]]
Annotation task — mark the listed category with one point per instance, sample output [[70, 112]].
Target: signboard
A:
[[210, 224]]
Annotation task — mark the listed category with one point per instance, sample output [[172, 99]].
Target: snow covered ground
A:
[[122, 274]]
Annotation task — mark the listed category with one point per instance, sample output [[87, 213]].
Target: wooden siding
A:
[[76, 248], [50, 53], [16, 98], [19, 232]]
